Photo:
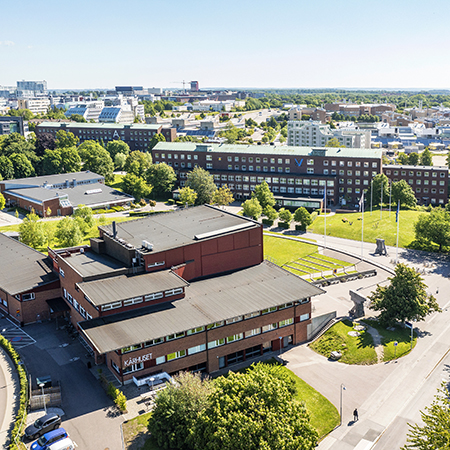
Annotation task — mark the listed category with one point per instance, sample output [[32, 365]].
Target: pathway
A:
[[379, 349]]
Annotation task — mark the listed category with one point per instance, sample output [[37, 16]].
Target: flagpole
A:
[[362, 229], [398, 227], [325, 210], [371, 196], [381, 204], [390, 197]]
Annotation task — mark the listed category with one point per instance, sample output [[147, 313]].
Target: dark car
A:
[[42, 425], [48, 439]]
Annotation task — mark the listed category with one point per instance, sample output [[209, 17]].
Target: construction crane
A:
[[180, 82]]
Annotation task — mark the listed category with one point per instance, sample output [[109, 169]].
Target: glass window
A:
[[234, 319], [270, 327], [176, 355], [285, 323], [215, 325], [195, 330], [253, 314], [171, 337], [269, 310], [235, 337], [153, 342], [216, 343], [196, 349], [253, 332]]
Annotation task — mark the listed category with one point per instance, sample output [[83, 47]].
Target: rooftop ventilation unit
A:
[[93, 191], [147, 245]]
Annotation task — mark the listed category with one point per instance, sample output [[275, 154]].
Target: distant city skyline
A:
[[320, 45]]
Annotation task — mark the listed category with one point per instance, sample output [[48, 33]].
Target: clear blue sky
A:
[[258, 43]]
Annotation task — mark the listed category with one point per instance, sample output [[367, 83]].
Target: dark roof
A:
[[21, 267], [92, 195], [207, 301], [124, 287], [53, 179], [182, 227]]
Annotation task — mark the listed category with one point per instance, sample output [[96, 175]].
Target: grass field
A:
[[117, 183], [355, 350], [374, 228], [285, 252]]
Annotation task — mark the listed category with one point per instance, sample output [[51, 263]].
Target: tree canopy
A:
[[138, 163], [375, 186], [303, 217], [136, 186], [426, 158], [61, 160], [403, 193], [158, 137], [32, 232], [434, 227], [188, 196], [202, 182], [285, 215], [66, 139], [162, 177], [68, 232], [405, 298], [223, 196], [333, 142], [264, 195], [96, 159], [117, 146], [252, 208]]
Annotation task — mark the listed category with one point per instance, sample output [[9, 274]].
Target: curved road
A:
[[8, 388]]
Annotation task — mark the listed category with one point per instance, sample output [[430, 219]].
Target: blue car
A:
[[48, 439]]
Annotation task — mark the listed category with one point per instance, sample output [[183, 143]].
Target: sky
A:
[[232, 44]]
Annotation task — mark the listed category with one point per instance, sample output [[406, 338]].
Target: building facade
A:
[[137, 136], [296, 175], [35, 105]]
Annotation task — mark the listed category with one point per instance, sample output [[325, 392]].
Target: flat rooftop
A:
[[112, 126], [124, 287], [182, 227], [206, 301], [90, 263], [53, 179], [285, 150], [21, 267]]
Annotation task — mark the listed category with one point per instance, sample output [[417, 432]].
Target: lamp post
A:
[[340, 402], [43, 396], [152, 379], [280, 344]]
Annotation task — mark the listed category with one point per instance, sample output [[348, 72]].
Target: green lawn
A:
[[374, 228], [117, 183], [286, 251], [355, 350], [401, 335], [136, 436]]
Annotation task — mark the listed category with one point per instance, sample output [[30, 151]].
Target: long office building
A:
[[137, 136]]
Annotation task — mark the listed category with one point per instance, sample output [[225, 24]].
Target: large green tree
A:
[[68, 232], [85, 218], [264, 195], [202, 182], [426, 158], [403, 193], [333, 142], [32, 232], [66, 139], [285, 215], [22, 166], [117, 146], [162, 177], [405, 298], [187, 196], [158, 137], [223, 196], [252, 208], [434, 227], [61, 160], [255, 410], [138, 163], [375, 186], [6, 168], [303, 217], [136, 186], [435, 432], [96, 159], [176, 410]]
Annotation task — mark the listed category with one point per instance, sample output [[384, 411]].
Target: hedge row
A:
[[21, 414]]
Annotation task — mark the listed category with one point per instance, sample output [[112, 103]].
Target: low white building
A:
[[35, 105]]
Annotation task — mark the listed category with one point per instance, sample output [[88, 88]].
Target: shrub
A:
[[143, 202], [22, 412], [300, 227], [284, 225], [171, 201], [267, 222], [118, 397]]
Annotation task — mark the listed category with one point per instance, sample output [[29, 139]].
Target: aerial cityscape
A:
[[224, 227]]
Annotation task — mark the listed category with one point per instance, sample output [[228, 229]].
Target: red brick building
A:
[[29, 289], [181, 290]]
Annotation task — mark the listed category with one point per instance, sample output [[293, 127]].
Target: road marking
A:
[[17, 337]]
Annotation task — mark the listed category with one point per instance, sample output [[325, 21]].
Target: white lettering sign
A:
[[137, 360], [116, 134]]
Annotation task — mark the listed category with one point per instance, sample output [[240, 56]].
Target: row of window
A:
[[76, 305], [211, 326], [417, 173], [216, 343], [140, 299], [274, 180]]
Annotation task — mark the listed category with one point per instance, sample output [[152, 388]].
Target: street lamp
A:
[[43, 396], [280, 343], [340, 402], [152, 379]]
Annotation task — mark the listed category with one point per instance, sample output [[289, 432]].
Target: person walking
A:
[[355, 415]]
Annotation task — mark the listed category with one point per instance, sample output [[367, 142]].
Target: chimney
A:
[[74, 182], [114, 229], [67, 183]]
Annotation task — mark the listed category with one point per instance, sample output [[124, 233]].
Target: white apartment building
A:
[[315, 134], [90, 110], [35, 105]]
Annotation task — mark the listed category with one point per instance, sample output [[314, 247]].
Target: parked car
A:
[[49, 438], [42, 425], [64, 444]]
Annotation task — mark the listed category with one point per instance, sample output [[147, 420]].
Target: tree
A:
[[116, 147], [136, 186], [333, 142], [264, 195], [138, 163], [78, 118], [2, 201], [223, 196], [6, 168], [32, 232], [426, 159], [402, 158], [61, 160], [377, 181], [119, 161], [96, 159], [68, 232], [303, 217], [176, 410], [162, 177], [403, 193], [252, 208], [435, 433], [285, 215], [270, 212], [44, 141], [413, 159], [203, 183], [66, 139], [158, 137], [434, 227], [241, 407], [22, 166], [85, 217], [405, 298], [187, 196]]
